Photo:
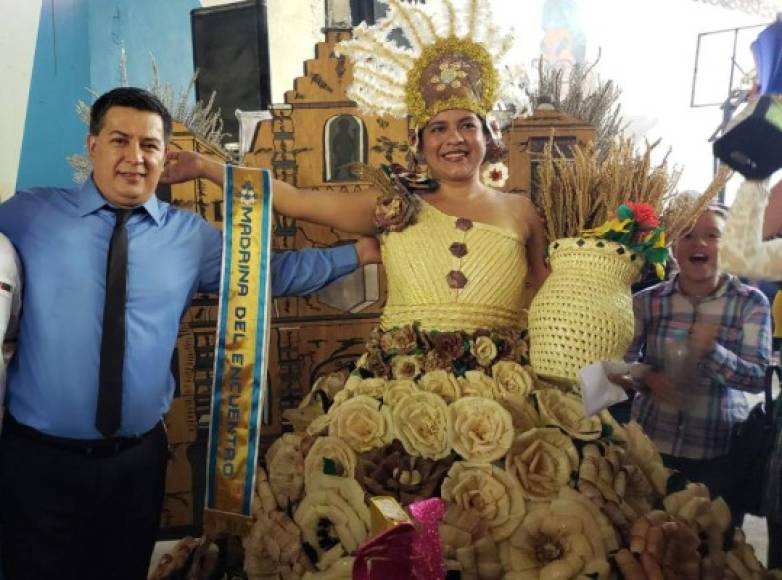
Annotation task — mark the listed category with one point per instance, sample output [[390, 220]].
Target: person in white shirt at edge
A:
[[751, 249], [10, 306]]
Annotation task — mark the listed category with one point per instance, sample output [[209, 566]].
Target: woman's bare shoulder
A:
[[519, 204], [520, 208]]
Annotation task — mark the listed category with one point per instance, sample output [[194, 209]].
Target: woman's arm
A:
[[537, 268], [348, 212], [743, 250]]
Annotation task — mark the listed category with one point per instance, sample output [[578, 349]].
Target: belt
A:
[[107, 447]]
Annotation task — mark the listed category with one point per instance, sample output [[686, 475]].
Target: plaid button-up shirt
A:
[[701, 427]]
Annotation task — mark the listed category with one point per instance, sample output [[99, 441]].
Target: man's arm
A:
[[744, 370], [295, 272], [306, 271]]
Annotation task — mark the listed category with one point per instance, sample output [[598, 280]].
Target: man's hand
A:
[[368, 251], [662, 389], [703, 337], [184, 166]]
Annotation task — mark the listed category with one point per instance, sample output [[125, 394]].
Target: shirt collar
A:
[[90, 200], [731, 286]]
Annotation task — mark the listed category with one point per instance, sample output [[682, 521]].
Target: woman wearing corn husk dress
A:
[[444, 402]]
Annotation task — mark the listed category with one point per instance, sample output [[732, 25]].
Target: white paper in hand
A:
[[597, 392]]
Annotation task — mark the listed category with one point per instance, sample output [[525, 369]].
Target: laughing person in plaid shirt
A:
[[728, 328]]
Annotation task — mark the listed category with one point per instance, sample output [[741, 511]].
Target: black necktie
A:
[[112, 345]]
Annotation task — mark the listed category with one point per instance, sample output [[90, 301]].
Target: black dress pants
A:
[[70, 514], [716, 473], [774, 545]]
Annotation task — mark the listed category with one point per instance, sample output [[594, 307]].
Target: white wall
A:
[[18, 33], [648, 48]]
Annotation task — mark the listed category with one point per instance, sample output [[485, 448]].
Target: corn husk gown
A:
[[444, 402]]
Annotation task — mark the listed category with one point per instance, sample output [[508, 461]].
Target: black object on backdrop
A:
[[231, 53]]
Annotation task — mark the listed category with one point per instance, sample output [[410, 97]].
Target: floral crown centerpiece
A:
[[600, 238]]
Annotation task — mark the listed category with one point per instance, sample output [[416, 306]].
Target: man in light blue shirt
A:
[[75, 504]]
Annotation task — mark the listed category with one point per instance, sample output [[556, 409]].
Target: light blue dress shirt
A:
[[62, 237]]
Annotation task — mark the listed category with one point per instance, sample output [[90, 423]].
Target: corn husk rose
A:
[[567, 412], [477, 384], [406, 367], [398, 390], [330, 456], [397, 206], [423, 425], [524, 415], [273, 547], [511, 378], [543, 461], [392, 471], [285, 463], [441, 383], [363, 423], [482, 429], [488, 491], [557, 539], [332, 516]]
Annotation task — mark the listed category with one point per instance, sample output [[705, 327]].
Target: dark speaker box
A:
[[754, 146], [231, 53]]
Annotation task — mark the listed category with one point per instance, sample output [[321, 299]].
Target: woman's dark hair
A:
[[134, 98]]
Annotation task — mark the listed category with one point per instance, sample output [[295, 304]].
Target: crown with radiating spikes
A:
[[449, 63]]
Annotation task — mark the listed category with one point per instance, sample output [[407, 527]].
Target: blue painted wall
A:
[[144, 28], [61, 70], [78, 47]]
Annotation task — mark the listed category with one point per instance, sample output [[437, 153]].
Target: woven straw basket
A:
[[583, 313]]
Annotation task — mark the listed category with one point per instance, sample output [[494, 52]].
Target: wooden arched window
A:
[[345, 143]]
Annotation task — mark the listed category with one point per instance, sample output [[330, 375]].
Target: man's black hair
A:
[[134, 98]]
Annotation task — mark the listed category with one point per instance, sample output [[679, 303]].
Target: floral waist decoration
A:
[[407, 352], [637, 227]]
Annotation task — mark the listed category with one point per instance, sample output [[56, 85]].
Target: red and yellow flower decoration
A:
[[636, 226]]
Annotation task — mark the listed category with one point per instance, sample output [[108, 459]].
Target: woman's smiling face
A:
[[453, 145]]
